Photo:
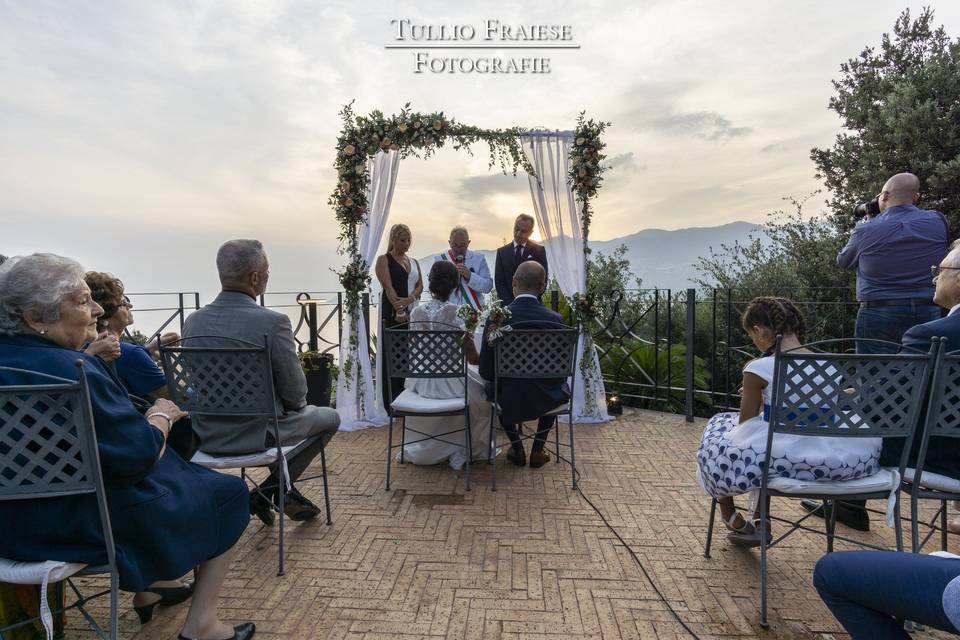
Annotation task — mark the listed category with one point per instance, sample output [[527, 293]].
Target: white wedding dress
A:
[[437, 314]]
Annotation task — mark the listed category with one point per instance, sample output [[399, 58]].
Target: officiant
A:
[[512, 255], [475, 277]]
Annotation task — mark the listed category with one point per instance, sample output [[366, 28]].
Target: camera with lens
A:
[[867, 209]]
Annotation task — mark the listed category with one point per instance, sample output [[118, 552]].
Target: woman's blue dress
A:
[[167, 515]]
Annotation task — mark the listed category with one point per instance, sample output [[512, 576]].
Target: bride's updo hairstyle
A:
[[777, 314], [443, 279]]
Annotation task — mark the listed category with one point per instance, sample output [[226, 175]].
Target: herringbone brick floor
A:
[[531, 560]]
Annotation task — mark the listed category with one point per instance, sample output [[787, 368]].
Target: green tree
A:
[[791, 252], [900, 106]]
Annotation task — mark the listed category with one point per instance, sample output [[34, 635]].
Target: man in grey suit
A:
[[244, 270]]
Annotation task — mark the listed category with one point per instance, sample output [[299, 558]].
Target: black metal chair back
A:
[[220, 376], [49, 450], [841, 395], [425, 349], [414, 351], [847, 395], [536, 350], [942, 421]]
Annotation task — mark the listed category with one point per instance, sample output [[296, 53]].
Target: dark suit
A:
[[507, 264], [521, 400], [943, 454]]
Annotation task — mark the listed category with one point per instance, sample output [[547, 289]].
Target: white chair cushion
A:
[[933, 481], [17, 572], [261, 459], [412, 402], [883, 480], [41, 573]]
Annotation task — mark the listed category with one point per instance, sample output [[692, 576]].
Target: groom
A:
[[520, 399], [475, 277], [513, 254]]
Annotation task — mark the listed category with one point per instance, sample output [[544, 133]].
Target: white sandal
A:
[[746, 529]]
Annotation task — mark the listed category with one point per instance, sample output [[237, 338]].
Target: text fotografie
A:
[[491, 34]]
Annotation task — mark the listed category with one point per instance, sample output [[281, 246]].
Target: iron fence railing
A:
[[677, 350]]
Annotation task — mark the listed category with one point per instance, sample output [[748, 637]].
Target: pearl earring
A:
[[43, 331]]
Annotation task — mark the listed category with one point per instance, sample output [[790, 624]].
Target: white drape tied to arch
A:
[[559, 217], [358, 403]]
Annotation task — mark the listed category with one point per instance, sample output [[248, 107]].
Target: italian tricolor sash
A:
[[466, 292]]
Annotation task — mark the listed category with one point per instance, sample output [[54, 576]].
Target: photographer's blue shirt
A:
[[893, 253]]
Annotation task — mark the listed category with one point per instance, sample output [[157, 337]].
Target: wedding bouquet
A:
[[469, 316], [496, 314]]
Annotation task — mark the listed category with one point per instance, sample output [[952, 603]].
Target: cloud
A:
[[625, 163], [708, 125], [773, 147]]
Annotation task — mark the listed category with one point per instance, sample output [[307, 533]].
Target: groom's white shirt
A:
[[480, 279]]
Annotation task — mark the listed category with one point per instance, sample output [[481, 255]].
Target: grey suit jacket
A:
[[236, 315]]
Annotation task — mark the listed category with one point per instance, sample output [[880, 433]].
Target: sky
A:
[[137, 136]]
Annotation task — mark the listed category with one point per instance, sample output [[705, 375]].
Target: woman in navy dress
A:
[[168, 515]]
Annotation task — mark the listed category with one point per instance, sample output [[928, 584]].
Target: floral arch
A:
[[564, 170]]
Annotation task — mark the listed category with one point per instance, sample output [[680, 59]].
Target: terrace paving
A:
[[531, 560]]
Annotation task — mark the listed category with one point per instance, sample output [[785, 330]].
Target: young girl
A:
[[733, 446]]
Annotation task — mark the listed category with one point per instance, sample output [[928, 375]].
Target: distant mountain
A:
[[664, 258]]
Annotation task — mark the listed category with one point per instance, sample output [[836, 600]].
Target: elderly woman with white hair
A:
[[168, 515]]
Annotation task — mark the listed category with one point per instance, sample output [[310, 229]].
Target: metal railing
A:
[[675, 350], [685, 350]]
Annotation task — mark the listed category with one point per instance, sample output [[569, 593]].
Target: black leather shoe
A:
[[261, 507], [243, 631], [169, 596], [538, 459], [298, 508], [851, 516], [517, 456]]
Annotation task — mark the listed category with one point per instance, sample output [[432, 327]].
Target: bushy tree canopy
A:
[[791, 252], [900, 106]]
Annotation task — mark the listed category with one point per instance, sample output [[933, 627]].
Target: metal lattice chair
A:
[[49, 450], [417, 353], [819, 394], [223, 377], [942, 421], [536, 350]]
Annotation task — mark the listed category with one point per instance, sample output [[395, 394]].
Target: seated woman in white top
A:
[[733, 446], [441, 314]]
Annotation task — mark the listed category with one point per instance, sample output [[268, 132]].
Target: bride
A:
[[438, 313]]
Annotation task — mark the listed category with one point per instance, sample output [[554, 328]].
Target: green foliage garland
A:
[[410, 134], [586, 176]]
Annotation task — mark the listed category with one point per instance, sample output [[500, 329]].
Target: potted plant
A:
[[317, 367]]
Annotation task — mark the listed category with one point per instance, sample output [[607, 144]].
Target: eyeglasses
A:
[[126, 303], [935, 270]]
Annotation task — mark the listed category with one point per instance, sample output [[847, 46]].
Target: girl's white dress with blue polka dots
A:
[[731, 454]]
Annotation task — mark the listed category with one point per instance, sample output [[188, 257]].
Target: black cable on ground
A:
[[639, 564]]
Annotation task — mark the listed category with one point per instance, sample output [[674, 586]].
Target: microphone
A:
[[460, 258]]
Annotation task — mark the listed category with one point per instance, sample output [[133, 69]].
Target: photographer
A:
[[892, 250]]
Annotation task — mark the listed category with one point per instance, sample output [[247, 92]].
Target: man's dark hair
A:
[[443, 279]]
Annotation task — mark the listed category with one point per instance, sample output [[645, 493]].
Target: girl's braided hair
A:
[[777, 314]]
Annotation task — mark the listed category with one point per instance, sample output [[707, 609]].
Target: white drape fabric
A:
[[358, 403], [559, 217]]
